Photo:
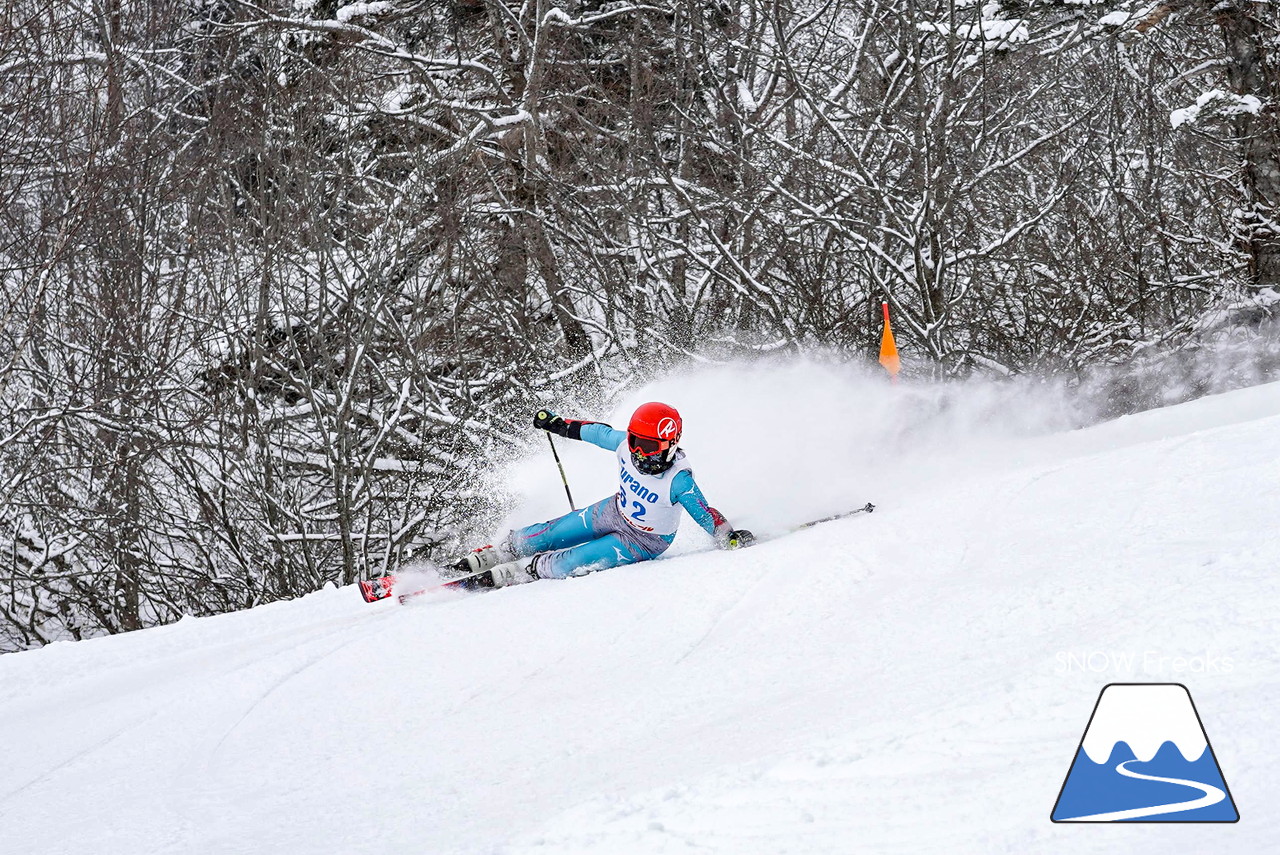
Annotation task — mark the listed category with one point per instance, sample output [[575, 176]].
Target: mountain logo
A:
[[1145, 757]]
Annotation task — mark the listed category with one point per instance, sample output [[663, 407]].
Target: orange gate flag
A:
[[889, 350]]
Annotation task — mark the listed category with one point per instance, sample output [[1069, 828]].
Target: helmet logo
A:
[[667, 428]]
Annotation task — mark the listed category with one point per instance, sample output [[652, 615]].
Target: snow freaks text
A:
[[1151, 662]]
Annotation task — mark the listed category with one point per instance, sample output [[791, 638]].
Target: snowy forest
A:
[[279, 278]]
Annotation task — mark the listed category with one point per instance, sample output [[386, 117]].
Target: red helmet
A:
[[653, 437]]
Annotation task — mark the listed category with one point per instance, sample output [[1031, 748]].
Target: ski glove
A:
[[549, 421], [739, 538], [568, 428]]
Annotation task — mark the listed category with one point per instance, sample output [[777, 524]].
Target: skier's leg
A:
[[619, 543], [612, 550], [603, 539], [580, 526], [576, 527]]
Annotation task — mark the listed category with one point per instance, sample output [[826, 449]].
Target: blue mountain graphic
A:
[[1096, 788]]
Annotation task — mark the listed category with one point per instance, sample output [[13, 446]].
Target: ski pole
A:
[[865, 509], [563, 477]]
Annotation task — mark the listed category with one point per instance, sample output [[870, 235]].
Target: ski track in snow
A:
[[746, 593], [886, 683], [78, 754]]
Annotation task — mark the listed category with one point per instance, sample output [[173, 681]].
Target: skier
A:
[[636, 524]]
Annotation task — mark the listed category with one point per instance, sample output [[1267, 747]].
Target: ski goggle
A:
[[646, 446]]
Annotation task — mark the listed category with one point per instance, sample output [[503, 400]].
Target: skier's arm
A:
[[685, 491], [596, 433]]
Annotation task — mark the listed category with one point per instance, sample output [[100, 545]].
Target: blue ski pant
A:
[[593, 538]]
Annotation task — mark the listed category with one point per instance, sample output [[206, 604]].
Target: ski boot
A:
[[515, 572], [485, 558]]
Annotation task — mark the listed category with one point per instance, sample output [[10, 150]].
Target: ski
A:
[[482, 581], [377, 589], [383, 587]]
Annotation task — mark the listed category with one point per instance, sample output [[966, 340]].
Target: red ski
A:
[[377, 589], [383, 587]]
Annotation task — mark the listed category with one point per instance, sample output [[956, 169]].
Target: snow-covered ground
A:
[[916, 680]]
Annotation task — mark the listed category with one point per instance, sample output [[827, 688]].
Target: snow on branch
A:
[[560, 18], [993, 33], [367, 39], [86, 58], [355, 11], [1216, 104]]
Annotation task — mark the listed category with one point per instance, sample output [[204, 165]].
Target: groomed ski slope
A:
[[898, 682]]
